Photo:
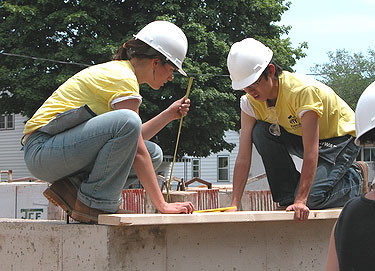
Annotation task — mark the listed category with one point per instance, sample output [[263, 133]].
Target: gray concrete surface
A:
[[273, 245]]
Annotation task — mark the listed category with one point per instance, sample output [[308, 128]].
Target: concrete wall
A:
[[265, 245]]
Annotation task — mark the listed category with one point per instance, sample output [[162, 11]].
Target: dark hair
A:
[[278, 70], [135, 48], [368, 137]]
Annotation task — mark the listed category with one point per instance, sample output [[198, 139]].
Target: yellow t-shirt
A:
[[96, 86], [299, 93]]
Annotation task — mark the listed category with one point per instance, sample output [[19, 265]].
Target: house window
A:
[[366, 154], [196, 168], [7, 122], [223, 168]]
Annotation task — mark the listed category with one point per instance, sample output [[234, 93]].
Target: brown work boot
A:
[[362, 169], [85, 214], [62, 193]]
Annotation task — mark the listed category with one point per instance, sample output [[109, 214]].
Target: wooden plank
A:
[[199, 218]]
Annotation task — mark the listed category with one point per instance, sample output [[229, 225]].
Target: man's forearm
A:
[[306, 180], [241, 172]]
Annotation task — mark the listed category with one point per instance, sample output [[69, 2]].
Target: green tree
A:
[[90, 31], [348, 74]]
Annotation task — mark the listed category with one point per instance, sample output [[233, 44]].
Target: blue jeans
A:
[[97, 156], [335, 180]]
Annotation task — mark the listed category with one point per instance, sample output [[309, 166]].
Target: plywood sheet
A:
[[31, 204], [23, 200], [7, 201], [199, 218]]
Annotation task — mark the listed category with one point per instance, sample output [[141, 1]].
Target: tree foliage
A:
[[347, 74], [90, 31]]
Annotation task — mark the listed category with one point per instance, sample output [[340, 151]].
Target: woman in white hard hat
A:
[[87, 136], [353, 235], [286, 114]]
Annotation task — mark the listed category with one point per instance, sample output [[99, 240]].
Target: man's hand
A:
[[301, 211]]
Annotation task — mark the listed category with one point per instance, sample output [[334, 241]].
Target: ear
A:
[[154, 62], [272, 69]]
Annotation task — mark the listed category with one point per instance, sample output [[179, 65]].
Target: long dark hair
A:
[[135, 48]]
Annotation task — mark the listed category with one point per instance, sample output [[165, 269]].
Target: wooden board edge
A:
[[201, 218]]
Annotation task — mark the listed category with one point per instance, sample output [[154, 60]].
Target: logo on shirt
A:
[[294, 124]]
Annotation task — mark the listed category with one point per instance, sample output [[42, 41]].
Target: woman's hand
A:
[[177, 208], [179, 108]]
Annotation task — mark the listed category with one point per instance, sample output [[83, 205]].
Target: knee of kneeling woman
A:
[[129, 122]]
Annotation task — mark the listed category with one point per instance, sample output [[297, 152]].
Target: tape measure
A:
[[216, 210], [178, 138]]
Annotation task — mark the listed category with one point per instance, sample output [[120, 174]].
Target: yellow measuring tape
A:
[[178, 138], [216, 210]]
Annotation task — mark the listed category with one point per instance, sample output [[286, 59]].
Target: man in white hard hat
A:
[[353, 236], [286, 114]]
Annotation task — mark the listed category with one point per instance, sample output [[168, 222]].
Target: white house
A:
[[216, 168], [11, 155]]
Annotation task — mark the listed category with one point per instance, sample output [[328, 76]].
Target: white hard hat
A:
[[167, 39], [365, 113], [246, 61]]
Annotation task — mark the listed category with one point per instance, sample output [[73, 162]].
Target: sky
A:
[[328, 25]]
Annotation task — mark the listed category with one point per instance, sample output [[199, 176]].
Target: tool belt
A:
[[67, 120]]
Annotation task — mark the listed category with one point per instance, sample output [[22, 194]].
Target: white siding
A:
[[209, 165], [11, 155]]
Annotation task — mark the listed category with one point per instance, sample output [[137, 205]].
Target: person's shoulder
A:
[[118, 69], [353, 203], [115, 64], [299, 79], [294, 83]]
